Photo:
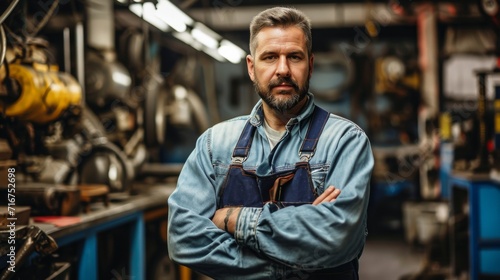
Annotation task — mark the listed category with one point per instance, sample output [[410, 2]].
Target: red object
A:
[[58, 221], [490, 146]]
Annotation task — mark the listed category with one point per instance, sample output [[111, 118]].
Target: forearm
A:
[[283, 246], [196, 242], [226, 218], [304, 237]]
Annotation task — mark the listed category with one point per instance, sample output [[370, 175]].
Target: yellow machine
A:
[[44, 92]]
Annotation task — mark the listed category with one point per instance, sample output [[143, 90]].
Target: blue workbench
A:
[[479, 197], [130, 211]]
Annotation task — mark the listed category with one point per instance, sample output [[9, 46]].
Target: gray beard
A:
[[282, 106]]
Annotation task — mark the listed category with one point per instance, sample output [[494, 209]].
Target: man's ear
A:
[[250, 66]]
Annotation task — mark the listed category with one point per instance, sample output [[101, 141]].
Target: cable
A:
[[44, 21], [18, 39], [3, 40], [8, 10]]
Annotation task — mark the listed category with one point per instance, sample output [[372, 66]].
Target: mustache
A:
[[285, 80]]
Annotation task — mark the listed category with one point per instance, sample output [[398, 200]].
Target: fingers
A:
[[329, 195], [324, 195], [332, 196]]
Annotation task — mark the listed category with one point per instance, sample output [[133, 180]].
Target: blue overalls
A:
[[287, 188]]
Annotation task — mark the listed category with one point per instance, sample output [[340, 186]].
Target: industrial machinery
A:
[[41, 107], [53, 139], [65, 130], [65, 134]]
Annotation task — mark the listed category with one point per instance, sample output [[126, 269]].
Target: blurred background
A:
[[102, 101]]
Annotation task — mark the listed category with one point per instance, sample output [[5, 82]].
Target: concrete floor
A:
[[389, 257]]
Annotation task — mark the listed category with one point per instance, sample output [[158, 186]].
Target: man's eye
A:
[[295, 58]]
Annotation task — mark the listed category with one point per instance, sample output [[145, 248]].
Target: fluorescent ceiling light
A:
[[188, 39], [205, 36], [173, 16], [166, 16], [148, 12], [214, 54], [231, 52]]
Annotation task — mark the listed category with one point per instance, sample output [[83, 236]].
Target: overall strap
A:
[[244, 143], [318, 121]]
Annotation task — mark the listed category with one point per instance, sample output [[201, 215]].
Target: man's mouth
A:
[[284, 85]]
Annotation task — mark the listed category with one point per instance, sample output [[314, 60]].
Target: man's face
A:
[[281, 67]]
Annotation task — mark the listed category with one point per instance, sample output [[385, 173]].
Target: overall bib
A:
[[287, 188]]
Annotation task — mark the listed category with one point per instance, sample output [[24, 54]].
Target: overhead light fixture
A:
[[188, 39], [147, 11], [173, 16], [169, 18], [205, 36], [231, 52], [214, 54]]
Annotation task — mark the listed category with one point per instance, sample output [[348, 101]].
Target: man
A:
[[256, 198]]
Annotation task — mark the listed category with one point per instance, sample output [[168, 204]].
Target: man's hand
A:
[[329, 195]]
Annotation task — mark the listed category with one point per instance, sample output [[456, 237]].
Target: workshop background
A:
[[102, 101]]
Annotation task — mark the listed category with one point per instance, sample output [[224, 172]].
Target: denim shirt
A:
[[270, 243]]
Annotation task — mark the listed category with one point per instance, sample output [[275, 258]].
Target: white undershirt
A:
[[273, 136]]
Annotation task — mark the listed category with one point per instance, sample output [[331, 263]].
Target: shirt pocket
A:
[[220, 171], [318, 177]]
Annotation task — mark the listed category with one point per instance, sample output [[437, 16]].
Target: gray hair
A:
[[280, 17]]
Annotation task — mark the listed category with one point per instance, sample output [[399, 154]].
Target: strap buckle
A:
[[305, 157], [238, 160]]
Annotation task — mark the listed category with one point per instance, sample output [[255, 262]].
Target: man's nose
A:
[[283, 70]]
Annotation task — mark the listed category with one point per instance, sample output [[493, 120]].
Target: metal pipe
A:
[[3, 39], [67, 49], [100, 25], [80, 57]]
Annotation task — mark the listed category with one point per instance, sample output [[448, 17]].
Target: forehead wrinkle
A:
[[279, 38]]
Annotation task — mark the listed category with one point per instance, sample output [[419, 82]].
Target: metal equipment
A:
[[33, 239], [40, 93], [48, 199], [53, 137]]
